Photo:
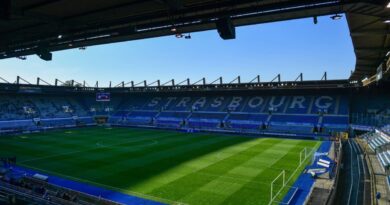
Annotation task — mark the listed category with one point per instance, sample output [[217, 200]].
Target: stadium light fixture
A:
[[388, 5], [387, 21], [336, 17], [59, 36]]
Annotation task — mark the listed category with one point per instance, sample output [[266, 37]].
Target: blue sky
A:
[[288, 47]]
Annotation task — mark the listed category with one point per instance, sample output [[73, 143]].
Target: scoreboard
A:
[[103, 97]]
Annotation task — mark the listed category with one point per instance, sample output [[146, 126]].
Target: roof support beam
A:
[[365, 25], [378, 32], [41, 4], [370, 50], [173, 4]]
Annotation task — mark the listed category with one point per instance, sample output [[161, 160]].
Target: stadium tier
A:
[[370, 110], [281, 114]]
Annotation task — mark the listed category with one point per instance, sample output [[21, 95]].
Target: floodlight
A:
[[336, 17]]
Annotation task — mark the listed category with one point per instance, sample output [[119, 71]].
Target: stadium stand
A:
[[18, 186], [31, 112], [171, 119], [386, 129], [293, 123], [377, 153], [279, 114], [27, 31], [371, 110], [246, 121], [376, 139], [384, 158]]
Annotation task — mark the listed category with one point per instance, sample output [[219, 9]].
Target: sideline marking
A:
[[131, 193]]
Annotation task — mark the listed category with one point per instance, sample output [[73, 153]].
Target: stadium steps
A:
[[264, 107], [320, 119], [225, 104], [244, 105], [187, 119], [157, 115], [226, 117], [269, 119], [189, 116], [310, 106], [287, 103], [145, 104], [386, 157], [337, 106], [383, 160]]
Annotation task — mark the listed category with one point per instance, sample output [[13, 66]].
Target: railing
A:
[[338, 157], [21, 192], [53, 200], [370, 172]]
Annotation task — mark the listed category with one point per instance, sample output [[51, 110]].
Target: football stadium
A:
[[193, 141]]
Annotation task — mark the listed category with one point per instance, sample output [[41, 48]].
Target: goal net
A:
[[280, 192]]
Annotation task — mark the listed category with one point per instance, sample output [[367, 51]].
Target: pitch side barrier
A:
[[234, 132], [188, 130], [36, 128]]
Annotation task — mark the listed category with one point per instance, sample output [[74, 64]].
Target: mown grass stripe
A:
[[123, 156], [145, 167], [226, 184], [194, 168], [195, 180], [248, 193], [94, 148]]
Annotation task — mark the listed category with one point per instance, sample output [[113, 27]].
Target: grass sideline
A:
[[165, 166]]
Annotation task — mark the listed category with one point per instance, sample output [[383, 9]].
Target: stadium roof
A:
[[370, 36], [41, 26]]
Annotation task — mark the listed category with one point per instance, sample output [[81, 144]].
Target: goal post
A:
[[282, 175], [304, 154]]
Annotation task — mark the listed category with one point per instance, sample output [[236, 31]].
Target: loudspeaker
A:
[[226, 28], [45, 54]]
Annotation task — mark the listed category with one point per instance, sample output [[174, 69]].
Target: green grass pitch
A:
[[165, 166]]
